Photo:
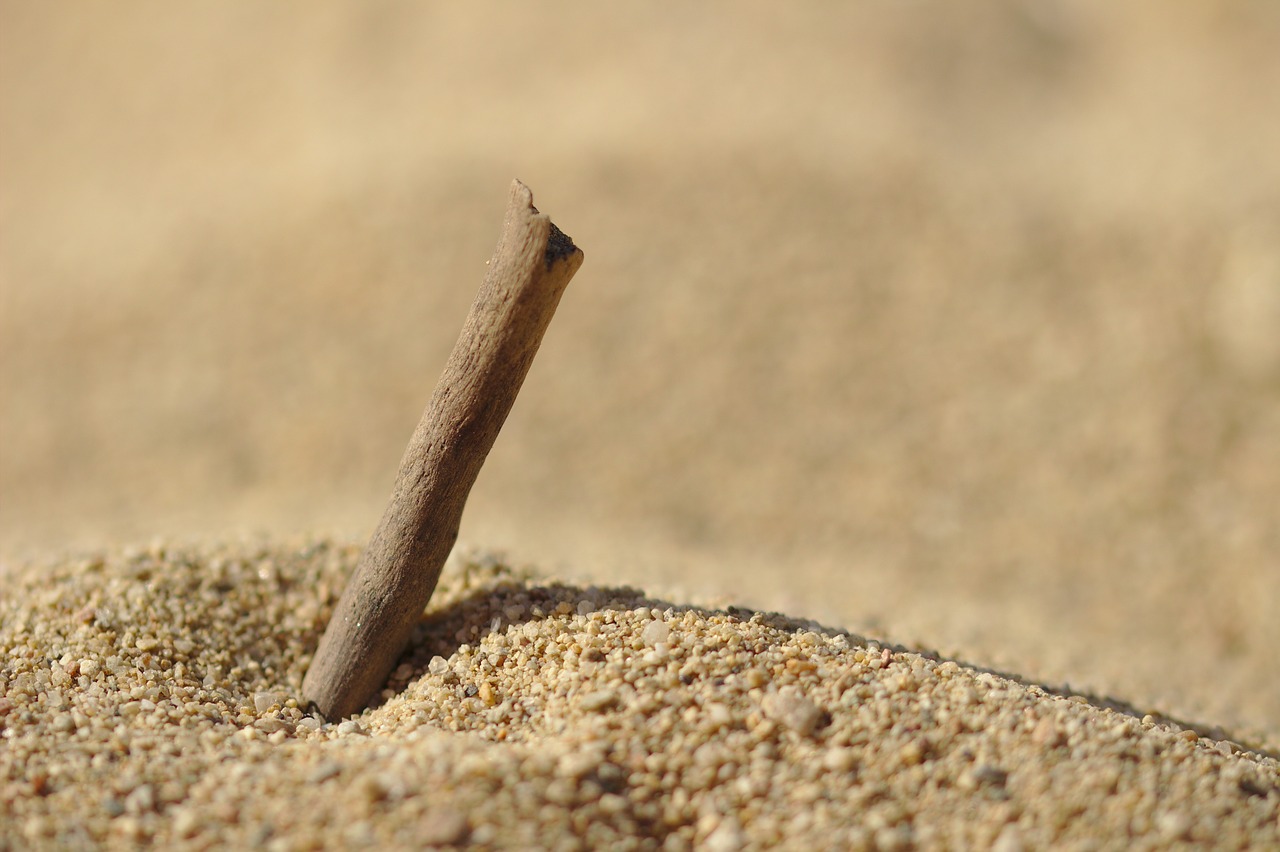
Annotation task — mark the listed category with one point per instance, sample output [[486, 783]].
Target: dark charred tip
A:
[[559, 246]]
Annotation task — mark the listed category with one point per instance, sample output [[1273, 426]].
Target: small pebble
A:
[[1173, 825], [140, 800], [1009, 840], [440, 827], [264, 701], [792, 710], [840, 759], [599, 701], [990, 775], [655, 632], [323, 772]]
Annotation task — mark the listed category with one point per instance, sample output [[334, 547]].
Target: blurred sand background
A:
[[956, 326]]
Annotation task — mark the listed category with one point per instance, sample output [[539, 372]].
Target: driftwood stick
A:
[[398, 571]]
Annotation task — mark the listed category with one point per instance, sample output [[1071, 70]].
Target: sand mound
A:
[[148, 696]]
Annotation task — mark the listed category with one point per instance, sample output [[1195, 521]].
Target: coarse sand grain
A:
[[149, 698]]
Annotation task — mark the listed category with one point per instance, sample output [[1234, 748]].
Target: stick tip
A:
[[560, 246], [522, 194]]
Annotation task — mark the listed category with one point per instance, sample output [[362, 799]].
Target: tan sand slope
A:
[[148, 698]]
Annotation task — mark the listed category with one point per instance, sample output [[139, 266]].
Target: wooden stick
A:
[[398, 571]]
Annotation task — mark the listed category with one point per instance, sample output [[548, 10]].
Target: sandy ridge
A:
[[147, 698]]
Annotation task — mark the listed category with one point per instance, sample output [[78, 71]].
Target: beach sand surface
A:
[[150, 697]]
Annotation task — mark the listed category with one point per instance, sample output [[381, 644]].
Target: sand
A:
[[149, 697], [955, 327]]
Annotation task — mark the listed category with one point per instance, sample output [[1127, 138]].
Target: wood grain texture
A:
[[397, 574]]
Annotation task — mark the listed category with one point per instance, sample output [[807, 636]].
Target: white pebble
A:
[[438, 665], [655, 632], [840, 759], [185, 822], [264, 701], [1173, 825], [793, 711]]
